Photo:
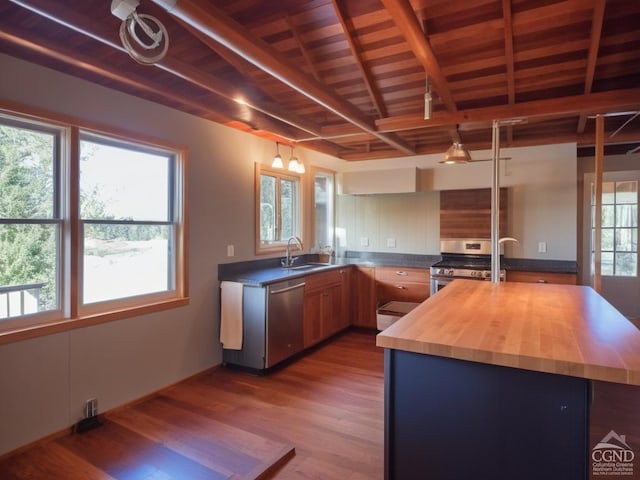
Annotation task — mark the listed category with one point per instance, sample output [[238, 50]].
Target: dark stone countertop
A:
[[267, 271]]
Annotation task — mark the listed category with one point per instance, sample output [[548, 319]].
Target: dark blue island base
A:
[[449, 419]]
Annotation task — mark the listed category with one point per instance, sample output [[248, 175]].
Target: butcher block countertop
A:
[[560, 329]]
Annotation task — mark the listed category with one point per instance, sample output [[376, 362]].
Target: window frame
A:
[[332, 247], [71, 314], [281, 244], [614, 228]]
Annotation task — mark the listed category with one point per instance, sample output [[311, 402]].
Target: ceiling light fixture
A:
[[277, 160], [143, 36], [457, 153], [428, 100]]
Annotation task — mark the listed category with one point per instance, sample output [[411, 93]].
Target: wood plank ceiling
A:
[[348, 77]]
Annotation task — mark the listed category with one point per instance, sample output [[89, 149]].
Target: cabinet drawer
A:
[[322, 280], [402, 274], [542, 277], [402, 291]]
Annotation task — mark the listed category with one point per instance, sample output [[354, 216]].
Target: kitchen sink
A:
[[308, 266]]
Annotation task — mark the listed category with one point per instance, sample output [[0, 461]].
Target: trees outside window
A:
[[91, 234], [30, 220], [278, 209]]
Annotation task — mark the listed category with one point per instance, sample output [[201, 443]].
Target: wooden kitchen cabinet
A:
[[541, 277], [363, 295], [401, 284], [325, 296]]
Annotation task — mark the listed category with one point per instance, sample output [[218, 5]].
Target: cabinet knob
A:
[[401, 273], [401, 287]]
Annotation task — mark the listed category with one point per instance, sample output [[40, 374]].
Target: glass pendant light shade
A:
[[456, 154], [294, 164], [277, 160]]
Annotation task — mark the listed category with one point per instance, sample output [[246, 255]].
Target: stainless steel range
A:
[[462, 258]]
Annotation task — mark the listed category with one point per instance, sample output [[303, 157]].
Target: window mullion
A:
[[278, 215], [72, 236]]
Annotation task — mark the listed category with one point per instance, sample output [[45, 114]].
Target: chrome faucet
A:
[[289, 260]]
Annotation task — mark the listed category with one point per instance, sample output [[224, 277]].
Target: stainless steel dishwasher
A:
[[272, 325], [284, 320]]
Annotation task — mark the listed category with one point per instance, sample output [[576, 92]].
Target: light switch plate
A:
[[364, 242], [230, 251], [542, 247]]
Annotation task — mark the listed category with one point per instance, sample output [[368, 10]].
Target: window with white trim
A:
[[31, 222], [323, 209], [91, 223], [619, 228]]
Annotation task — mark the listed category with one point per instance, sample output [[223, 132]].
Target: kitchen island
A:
[[489, 380]]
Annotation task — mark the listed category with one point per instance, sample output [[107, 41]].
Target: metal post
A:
[[495, 205]]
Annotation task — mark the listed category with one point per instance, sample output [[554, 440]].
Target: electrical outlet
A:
[[364, 242], [230, 251], [91, 408], [391, 243], [542, 247]]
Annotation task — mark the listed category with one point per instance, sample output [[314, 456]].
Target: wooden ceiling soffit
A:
[[217, 25], [72, 58], [407, 22], [604, 102], [374, 92], [592, 58], [79, 23]]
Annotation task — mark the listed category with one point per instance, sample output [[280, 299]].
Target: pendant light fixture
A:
[[294, 164], [457, 153], [277, 160], [428, 100]]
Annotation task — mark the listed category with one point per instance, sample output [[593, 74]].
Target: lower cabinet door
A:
[[448, 419], [312, 318]]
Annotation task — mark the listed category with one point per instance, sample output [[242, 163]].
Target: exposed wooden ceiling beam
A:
[[584, 140], [303, 49], [628, 99], [218, 26], [374, 92], [406, 20], [592, 57], [508, 58]]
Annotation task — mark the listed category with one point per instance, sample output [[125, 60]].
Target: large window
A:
[[278, 209], [619, 227], [90, 224]]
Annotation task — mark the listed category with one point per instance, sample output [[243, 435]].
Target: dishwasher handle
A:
[[287, 289]]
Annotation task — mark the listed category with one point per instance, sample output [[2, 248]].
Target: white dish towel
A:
[[231, 315]]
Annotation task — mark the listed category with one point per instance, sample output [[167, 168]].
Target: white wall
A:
[[542, 203], [45, 382]]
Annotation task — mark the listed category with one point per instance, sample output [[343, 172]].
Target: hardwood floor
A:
[[328, 405]]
